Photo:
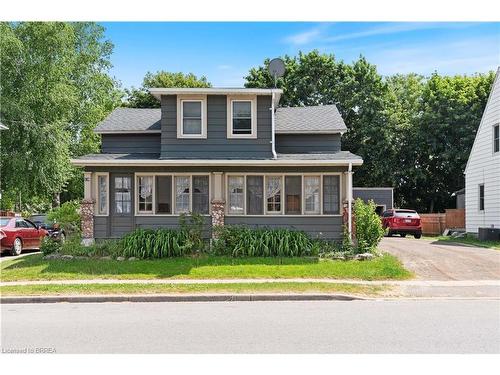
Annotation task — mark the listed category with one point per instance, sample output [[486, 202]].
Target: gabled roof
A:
[[131, 120], [322, 119]]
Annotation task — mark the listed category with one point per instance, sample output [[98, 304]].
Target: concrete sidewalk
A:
[[489, 289]]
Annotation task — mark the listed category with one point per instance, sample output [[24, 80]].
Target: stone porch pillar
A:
[[218, 204], [87, 211]]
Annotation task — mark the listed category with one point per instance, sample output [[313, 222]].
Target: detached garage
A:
[[382, 196]]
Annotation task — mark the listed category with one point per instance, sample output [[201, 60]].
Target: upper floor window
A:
[[191, 119], [242, 122], [496, 138]]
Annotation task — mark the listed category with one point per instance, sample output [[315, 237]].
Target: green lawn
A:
[[469, 240], [89, 289], [206, 267]]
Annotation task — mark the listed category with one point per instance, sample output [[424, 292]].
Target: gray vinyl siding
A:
[[379, 196], [130, 143], [216, 145], [326, 227], [307, 143]]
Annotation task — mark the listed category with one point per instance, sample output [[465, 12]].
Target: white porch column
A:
[[349, 201]]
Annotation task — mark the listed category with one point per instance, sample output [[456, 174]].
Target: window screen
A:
[[200, 194], [191, 117], [236, 194], [331, 196], [255, 195], [242, 117], [164, 194], [293, 195], [123, 195]]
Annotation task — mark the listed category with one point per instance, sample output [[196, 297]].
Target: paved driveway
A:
[[439, 260]]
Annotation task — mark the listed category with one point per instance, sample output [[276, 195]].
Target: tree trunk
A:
[[56, 200], [431, 209]]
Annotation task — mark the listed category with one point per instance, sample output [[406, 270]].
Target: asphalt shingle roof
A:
[[131, 120], [322, 119]]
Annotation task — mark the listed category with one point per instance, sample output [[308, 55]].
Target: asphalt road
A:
[[441, 260], [385, 326]]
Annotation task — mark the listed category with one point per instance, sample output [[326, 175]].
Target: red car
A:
[[402, 222], [17, 234]]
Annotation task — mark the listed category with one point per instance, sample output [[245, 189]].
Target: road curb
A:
[[180, 298]]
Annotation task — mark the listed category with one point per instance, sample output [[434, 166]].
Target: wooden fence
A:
[[435, 224]]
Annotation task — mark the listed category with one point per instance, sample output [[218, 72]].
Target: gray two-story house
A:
[[231, 154]]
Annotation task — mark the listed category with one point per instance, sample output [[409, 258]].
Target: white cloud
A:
[[307, 36]]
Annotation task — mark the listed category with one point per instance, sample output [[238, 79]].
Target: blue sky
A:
[[224, 52]]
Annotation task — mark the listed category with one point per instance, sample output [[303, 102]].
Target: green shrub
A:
[[159, 243], [192, 224], [50, 246], [67, 216], [369, 229], [240, 241]]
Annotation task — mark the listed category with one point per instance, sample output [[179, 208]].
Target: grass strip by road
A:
[[251, 288], [468, 240], [205, 267]]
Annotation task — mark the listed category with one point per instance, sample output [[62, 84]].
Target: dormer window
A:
[[191, 118], [242, 114]]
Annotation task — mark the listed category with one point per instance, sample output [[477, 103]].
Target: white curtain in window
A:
[[181, 194], [273, 186], [311, 193], [236, 194]]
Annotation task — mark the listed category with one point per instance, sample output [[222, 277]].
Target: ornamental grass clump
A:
[[157, 243], [240, 241]]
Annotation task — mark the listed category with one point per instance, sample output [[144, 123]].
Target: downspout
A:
[[273, 127], [349, 201]]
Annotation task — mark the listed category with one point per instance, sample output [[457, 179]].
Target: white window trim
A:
[[241, 98], [180, 129], [96, 189], [172, 192], [274, 214]]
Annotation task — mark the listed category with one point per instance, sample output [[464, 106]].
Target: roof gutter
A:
[[216, 162], [273, 127]]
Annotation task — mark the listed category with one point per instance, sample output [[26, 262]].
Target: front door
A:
[[122, 204]]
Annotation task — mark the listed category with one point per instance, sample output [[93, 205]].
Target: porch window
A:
[[145, 194], [255, 195], [236, 194], [123, 195], [331, 195], [273, 194], [182, 194], [102, 196], [200, 194], [312, 187], [163, 194], [293, 195]]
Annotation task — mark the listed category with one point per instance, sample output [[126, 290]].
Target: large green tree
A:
[[54, 88], [141, 98], [414, 133]]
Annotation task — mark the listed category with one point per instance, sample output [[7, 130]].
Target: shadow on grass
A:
[[156, 268]]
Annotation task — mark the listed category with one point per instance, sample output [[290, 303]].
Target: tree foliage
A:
[[54, 89], [413, 132], [141, 98]]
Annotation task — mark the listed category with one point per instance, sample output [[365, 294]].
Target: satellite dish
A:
[[276, 68]]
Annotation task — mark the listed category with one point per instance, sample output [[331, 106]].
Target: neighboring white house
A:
[[482, 173]]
